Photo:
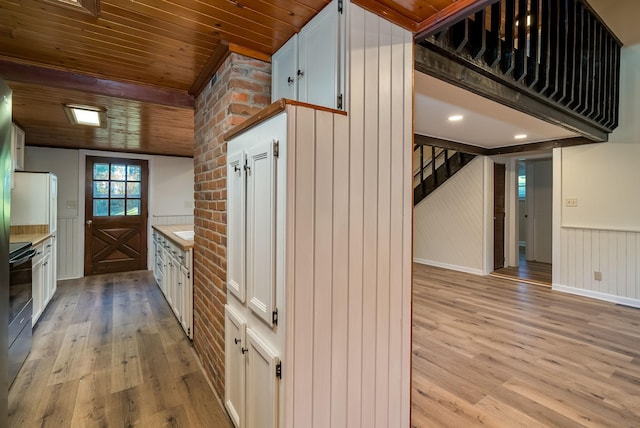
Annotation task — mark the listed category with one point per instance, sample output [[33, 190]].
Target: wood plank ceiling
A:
[[161, 53]]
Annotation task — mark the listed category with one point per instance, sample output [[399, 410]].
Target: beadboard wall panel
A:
[[68, 259], [615, 254], [349, 262], [448, 225]]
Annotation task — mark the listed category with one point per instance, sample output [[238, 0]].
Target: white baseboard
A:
[[621, 300], [449, 266]]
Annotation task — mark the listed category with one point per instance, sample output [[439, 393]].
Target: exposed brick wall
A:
[[242, 88]]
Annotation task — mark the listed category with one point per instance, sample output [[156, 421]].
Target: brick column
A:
[[242, 88]]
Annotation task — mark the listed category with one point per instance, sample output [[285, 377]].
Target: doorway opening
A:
[[532, 214], [115, 215]]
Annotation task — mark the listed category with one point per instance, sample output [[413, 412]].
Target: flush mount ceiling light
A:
[[86, 115], [456, 118], [91, 7], [520, 136]]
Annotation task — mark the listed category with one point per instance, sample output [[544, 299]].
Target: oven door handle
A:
[[23, 259]]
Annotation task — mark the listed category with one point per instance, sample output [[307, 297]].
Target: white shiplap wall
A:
[[380, 205], [67, 235], [613, 253], [349, 239], [449, 224]]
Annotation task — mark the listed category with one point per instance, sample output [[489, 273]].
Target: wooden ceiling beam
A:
[[375, 6], [220, 53], [37, 75], [449, 15]]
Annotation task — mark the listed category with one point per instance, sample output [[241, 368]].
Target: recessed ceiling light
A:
[[520, 136], [456, 118], [86, 115]]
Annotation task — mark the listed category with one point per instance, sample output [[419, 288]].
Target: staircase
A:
[[433, 166]]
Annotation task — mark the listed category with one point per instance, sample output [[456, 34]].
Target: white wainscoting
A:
[[68, 255], [161, 219], [615, 254]]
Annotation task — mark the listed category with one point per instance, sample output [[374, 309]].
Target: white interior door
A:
[[236, 225], [234, 379], [261, 192], [262, 384]]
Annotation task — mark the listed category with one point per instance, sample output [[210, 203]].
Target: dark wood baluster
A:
[[545, 46], [571, 57], [562, 53], [422, 184], [552, 87], [521, 52], [586, 61], [479, 35], [532, 63], [460, 35], [508, 45], [492, 54], [433, 167]]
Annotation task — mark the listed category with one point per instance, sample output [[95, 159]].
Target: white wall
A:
[[539, 210], [449, 225], [170, 194], [602, 233]]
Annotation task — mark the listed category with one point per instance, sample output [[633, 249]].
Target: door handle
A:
[[89, 222]]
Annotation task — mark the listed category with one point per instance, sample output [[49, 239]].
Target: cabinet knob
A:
[[236, 340], [290, 80], [243, 350], [300, 74]]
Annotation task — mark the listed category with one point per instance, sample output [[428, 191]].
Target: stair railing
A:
[[432, 164]]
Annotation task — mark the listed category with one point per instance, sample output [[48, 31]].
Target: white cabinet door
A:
[[318, 59], [261, 221], [46, 279], [235, 349], [37, 283], [53, 286], [187, 300], [236, 225], [178, 290], [262, 384], [284, 67]]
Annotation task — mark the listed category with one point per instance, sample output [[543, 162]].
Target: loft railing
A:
[[557, 51]]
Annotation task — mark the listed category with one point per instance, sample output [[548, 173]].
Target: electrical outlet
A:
[[597, 276], [571, 202]]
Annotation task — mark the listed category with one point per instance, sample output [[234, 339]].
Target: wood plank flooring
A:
[[108, 352], [496, 353], [529, 271]]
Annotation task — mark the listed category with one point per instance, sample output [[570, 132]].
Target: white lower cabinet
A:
[[252, 375], [172, 272], [43, 274]]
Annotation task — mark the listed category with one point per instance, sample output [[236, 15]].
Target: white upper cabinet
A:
[[284, 68], [310, 66], [236, 224], [318, 59], [261, 188]]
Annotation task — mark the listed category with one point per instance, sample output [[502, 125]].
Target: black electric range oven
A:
[[20, 305]]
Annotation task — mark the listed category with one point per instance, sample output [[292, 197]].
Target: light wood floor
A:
[[496, 353], [108, 352], [533, 272]]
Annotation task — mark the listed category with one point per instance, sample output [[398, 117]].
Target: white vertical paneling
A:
[[323, 274], [614, 253], [370, 218], [350, 202], [67, 264], [384, 219], [340, 279], [587, 274], [396, 213], [356, 53], [632, 263], [571, 241], [304, 269], [611, 280]]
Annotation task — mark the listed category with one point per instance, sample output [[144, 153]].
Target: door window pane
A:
[[133, 190], [117, 189], [133, 172], [118, 172], [100, 189], [116, 207], [100, 207], [133, 206], [101, 171]]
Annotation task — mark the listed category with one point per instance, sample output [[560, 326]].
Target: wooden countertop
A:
[[34, 238], [168, 229]]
